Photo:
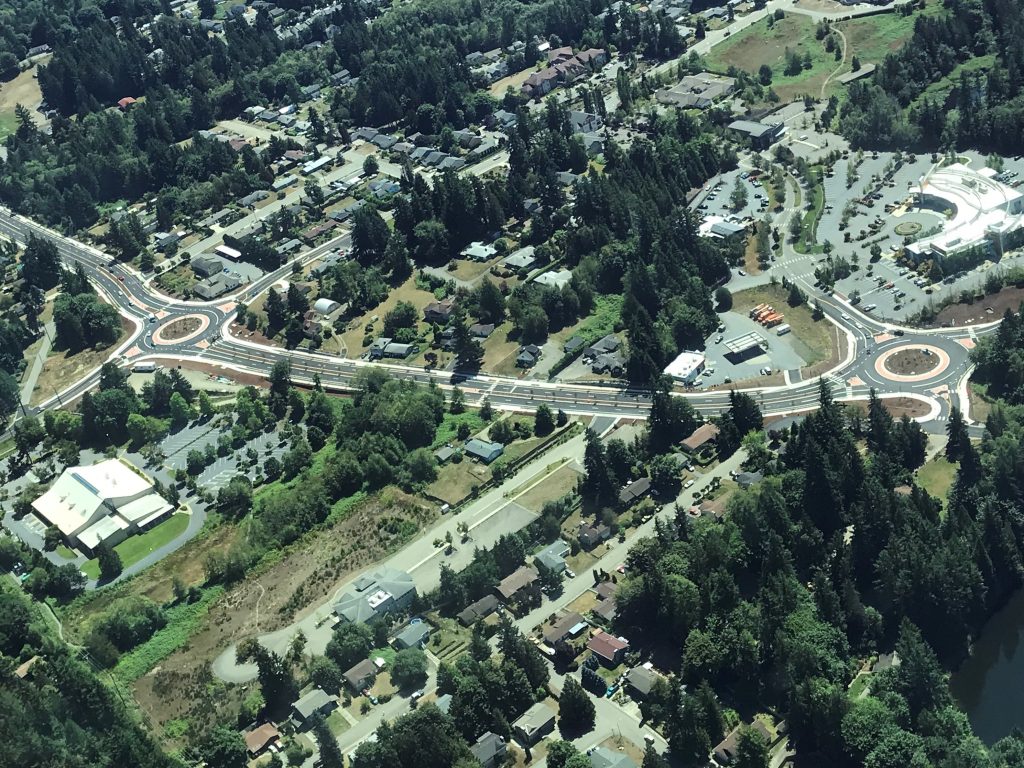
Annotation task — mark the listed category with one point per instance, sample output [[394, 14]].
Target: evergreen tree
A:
[[575, 709]]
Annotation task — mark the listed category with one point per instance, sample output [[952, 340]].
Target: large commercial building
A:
[[376, 594], [985, 215], [106, 502]]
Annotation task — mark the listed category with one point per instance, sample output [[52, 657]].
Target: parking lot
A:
[[780, 355], [715, 200]]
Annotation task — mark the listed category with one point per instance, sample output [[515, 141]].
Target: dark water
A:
[[990, 684]]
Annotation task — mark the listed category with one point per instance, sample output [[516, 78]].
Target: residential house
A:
[[467, 139], [310, 92], [635, 491], [593, 143], [565, 628], [481, 609], [592, 535], [444, 454], [481, 330], [584, 122], [701, 437], [205, 266], [404, 148], [383, 188], [725, 752], [126, 103], [361, 676], [165, 240], [536, 723], [214, 218], [518, 584], [640, 681], [609, 649], [602, 757], [384, 141], [489, 750], [567, 178], [747, 479], [316, 702], [609, 362], [602, 346], [521, 260], [573, 345], [259, 740], [452, 164], [528, 356], [540, 83], [439, 311], [364, 134], [283, 183], [503, 120], [478, 251], [556, 279], [340, 78], [483, 450], [553, 556], [386, 590]]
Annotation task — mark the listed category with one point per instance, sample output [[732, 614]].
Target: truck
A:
[[757, 309], [144, 367], [783, 329], [772, 320]]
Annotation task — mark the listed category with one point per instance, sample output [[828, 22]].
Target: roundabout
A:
[[912, 363]]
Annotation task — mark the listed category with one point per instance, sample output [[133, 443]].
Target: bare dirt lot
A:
[[986, 310], [182, 686], [62, 367]]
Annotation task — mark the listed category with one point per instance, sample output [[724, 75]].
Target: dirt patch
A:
[[897, 406], [182, 686], [245, 379], [553, 486], [909, 362], [179, 329], [986, 310]]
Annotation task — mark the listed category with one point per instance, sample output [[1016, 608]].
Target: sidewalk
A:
[[29, 384]]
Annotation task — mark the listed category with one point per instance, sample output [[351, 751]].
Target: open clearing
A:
[[24, 90], [986, 310], [63, 368], [814, 340], [758, 44], [936, 477], [871, 38]]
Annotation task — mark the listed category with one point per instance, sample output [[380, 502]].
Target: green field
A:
[[8, 124], [936, 477], [758, 44], [134, 548], [872, 37]]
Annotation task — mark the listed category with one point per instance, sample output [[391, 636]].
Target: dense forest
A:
[[59, 713], [975, 50]]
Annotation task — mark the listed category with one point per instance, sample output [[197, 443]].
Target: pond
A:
[[990, 685]]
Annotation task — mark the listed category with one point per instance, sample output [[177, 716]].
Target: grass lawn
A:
[[811, 338], [938, 90], [807, 242], [450, 640], [455, 481], [67, 554], [337, 723], [981, 403], [355, 330], [759, 44], [871, 38], [553, 486], [134, 548], [8, 124], [936, 477], [858, 685]]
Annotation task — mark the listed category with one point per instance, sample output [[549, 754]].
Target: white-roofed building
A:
[[558, 279], [986, 214], [686, 367], [105, 502]]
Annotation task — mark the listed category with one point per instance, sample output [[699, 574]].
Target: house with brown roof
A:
[[564, 628], [725, 752], [361, 676], [608, 648], [702, 436], [439, 311], [592, 535], [259, 740], [518, 584]]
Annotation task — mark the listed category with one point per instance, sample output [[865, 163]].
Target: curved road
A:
[[125, 288]]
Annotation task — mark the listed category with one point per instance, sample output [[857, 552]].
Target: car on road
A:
[[121, 278], [845, 316], [152, 318], [570, 573], [688, 483], [898, 332], [718, 339]]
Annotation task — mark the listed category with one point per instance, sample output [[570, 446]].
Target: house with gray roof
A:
[[552, 556], [361, 676], [481, 609], [483, 450], [316, 702], [206, 265], [602, 757], [489, 750], [536, 723], [413, 636]]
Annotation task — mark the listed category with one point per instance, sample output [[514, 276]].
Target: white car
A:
[[845, 316], [688, 483], [718, 339], [570, 574]]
